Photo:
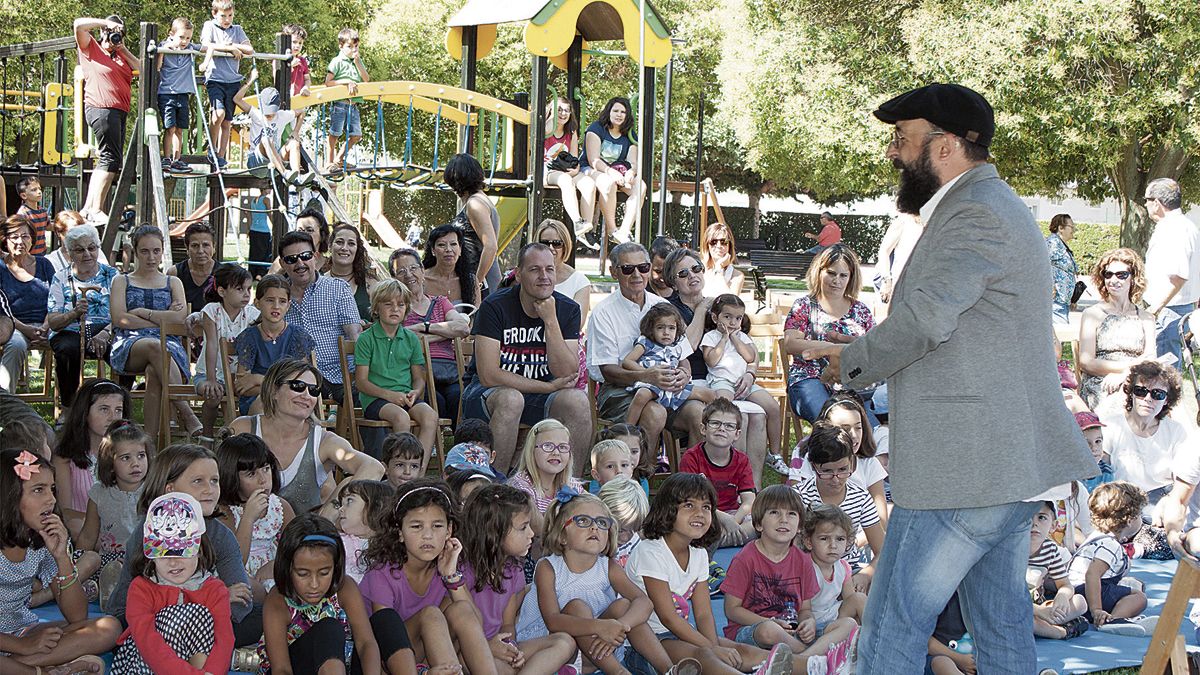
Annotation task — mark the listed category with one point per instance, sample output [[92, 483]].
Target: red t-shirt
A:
[[830, 235], [107, 78], [299, 73], [764, 586], [730, 480]]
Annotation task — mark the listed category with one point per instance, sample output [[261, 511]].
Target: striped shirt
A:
[[39, 220], [858, 505], [5, 308], [1049, 557]]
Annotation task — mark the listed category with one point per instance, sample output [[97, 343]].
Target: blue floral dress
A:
[[157, 299]]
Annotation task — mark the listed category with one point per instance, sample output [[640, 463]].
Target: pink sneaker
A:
[[840, 658], [779, 661]]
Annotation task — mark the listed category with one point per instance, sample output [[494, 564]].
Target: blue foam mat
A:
[[1089, 653]]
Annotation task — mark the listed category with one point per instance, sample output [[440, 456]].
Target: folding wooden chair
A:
[[172, 393], [350, 418], [1167, 646], [46, 394], [443, 423], [464, 349], [227, 371], [797, 423]]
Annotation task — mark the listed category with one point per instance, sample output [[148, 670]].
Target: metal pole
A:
[[699, 153], [537, 140], [470, 68], [662, 183]]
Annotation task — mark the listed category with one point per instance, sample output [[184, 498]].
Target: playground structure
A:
[[505, 135]]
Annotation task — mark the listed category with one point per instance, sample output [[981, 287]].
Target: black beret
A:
[[953, 107]]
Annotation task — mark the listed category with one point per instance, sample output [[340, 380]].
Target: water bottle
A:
[[789, 615], [965, 645]]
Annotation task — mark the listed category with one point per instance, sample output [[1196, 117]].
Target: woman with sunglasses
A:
[[307, 453], [720, 253], [1116, 332], [1143, 442], [568, 280]]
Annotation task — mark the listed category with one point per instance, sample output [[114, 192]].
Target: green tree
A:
[[1097, 97]]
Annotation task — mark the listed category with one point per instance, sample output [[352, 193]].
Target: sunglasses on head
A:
[[644, 268], [1123, 275], [299, 386], [291, 259], [1140, 392], [689, 271], [552, 243]]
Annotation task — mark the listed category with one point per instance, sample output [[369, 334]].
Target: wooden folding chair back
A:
[[228, 372], [443, 423], [350, 418], [1168, 647], [173, 392], [464, 351], [797, 423], [46, 393]]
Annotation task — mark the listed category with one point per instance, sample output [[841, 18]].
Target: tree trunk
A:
[[755, 196], [1130, 177]]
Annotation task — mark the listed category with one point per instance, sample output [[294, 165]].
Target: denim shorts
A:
[[175, 110], [341, 115], [220, 97], [474, 404], [637, 664], [745, 636]]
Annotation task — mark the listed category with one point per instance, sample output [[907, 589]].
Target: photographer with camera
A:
[[108, 76]]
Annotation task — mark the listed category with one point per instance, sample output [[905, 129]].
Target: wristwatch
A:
[[426, 326]]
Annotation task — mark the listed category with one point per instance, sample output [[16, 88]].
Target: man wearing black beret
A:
[[979, 431]]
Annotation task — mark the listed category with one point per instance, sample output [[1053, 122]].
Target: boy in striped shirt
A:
[[1062, 617]]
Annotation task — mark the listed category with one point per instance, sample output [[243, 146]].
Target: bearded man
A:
[[979, 431]]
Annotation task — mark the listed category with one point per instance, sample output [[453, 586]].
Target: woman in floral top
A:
[[831, 312]]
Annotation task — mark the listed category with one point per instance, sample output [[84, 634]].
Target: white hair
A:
[[80, 232]]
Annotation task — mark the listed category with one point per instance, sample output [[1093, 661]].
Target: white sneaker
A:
[[621, 235], [1128, 627], [96, 217], [778, 464], [582, 227], [779, 661]]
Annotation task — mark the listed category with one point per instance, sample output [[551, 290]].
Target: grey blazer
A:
[[977, 415]]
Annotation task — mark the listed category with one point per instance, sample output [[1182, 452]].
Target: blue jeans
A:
[[344, 119], [808, 395], [927, 555], [1168, 338], [1061, 314]]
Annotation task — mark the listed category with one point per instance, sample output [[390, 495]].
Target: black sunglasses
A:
[[688, 271], [300, 386], [1120, 275], [291, 259], [552, 243], [714, 242], [644, 268], [1140, 392]]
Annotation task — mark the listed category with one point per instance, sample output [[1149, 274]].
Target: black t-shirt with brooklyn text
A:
[[522, 337]]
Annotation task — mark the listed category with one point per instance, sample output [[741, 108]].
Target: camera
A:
[[116, 36]]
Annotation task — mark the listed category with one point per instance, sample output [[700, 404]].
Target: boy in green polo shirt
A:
[[389, 368], [348, 69]]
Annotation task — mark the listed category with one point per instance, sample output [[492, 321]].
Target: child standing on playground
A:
[[390, 368], [29, 189], [268, 126], [346, 68], [227, 44], [176, 87], [301, 73]]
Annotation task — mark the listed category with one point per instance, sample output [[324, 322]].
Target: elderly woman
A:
[[196, 270], [438, 323], [720, 253], [1116, 332], [25, 279], [307, 453], [1141, 440], [64, 222], [1062, 262], [350, 261], [447, 270], [831, 312], [568, 280], [142, 302], [79, 303], [684, 272]]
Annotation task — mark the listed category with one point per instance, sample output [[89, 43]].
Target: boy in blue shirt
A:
[[176, 86], [227, 44]]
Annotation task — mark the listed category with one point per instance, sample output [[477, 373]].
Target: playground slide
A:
[[514, 212]]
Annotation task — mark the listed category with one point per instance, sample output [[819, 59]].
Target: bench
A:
[[744, 246], [782, 263]]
